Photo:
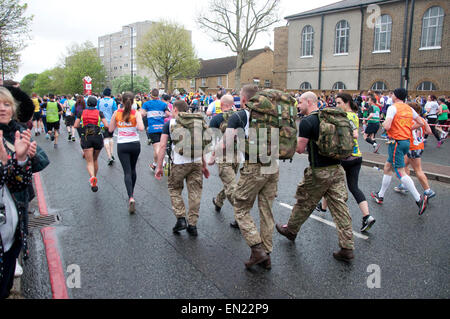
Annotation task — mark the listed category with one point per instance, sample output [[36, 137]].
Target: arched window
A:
[[426, 86], [339, 86], [305, 86], [307, 41], [342, 37], [432, 23], [383, 30], [379, 86]]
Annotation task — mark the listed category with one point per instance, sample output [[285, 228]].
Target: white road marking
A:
[[327, 222]]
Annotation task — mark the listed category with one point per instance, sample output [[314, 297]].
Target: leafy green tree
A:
[[44, 83], [123, 84], [28, 82], [83, 60], [14, 30], [168, 52]]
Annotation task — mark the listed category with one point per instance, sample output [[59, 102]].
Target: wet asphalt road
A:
[[123, 256]]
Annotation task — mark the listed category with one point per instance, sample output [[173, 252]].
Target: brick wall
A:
[[426, 65], [280, 57]]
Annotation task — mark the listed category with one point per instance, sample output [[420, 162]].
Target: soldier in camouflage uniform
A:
[[228, 166], [183, 169], [253, 183], [325, 177]]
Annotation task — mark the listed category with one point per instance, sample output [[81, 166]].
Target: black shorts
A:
[[154, 137], [372, 128], [51, 126], [106, 133], [36, 116], [92, 141], [70, 120]]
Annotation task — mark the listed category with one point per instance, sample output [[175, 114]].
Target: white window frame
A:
[[267, 83], [375, 86], [337, 86], [342, 32], [256, 82], [101, 52], [219, 81], [192, 84], [420, 87], [307, 42], [203, 82], [305, 86], [428, 29], [383, 26]]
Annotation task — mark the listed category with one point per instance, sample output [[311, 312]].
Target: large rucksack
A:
[[193, 125], [224, 125], [335, 134], [272, 109]]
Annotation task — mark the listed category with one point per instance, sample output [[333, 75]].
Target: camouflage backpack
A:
[[272, 109], [335, 134], [193, 125], [224, 125]]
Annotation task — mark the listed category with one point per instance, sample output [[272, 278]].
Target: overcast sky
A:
[[59, 23]]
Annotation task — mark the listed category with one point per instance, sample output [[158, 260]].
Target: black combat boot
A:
[[344, 255], [180, 225], [284, 230], [192, 230], [258, 256]]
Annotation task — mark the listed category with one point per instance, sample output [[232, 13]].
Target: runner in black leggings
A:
[[128, 122], [352, 165]]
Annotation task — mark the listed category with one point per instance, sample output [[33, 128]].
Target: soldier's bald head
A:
[[308, 103], [310, 96], [227, 102]]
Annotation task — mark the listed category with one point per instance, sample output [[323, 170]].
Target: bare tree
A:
[[237, 23]]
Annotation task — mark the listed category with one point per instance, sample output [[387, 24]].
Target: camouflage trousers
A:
[[328, 182], [252, 184], [192, 173], [227, 174]]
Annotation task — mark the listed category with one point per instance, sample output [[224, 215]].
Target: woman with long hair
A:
[[89, 121], [128, 122], [352, 165]]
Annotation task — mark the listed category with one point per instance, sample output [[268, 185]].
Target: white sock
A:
[[385, 185], [409, 184]]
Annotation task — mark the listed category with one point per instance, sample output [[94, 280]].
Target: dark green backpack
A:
[[272, 109], [335, 134]]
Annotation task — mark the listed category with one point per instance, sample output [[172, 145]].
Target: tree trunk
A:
[[239, 64]]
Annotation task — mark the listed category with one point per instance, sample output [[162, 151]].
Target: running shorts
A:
[[36, 116], [106, 133], [154, 137], [415, 154], [92, 141], [51, 126], [372, 128], [397, 152], [70, 120]]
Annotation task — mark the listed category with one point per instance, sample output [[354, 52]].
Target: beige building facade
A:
[[370, 44]]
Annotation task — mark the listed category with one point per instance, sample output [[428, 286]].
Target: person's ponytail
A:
[[127, 100]]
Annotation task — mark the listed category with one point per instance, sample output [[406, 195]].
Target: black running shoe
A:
[[422, 203], [367, 223], [377, 198], [320, 209]]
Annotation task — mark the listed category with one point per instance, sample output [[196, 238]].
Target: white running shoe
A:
[[19, 270]]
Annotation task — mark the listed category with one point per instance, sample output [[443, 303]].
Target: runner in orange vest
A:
[[401, 119]]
